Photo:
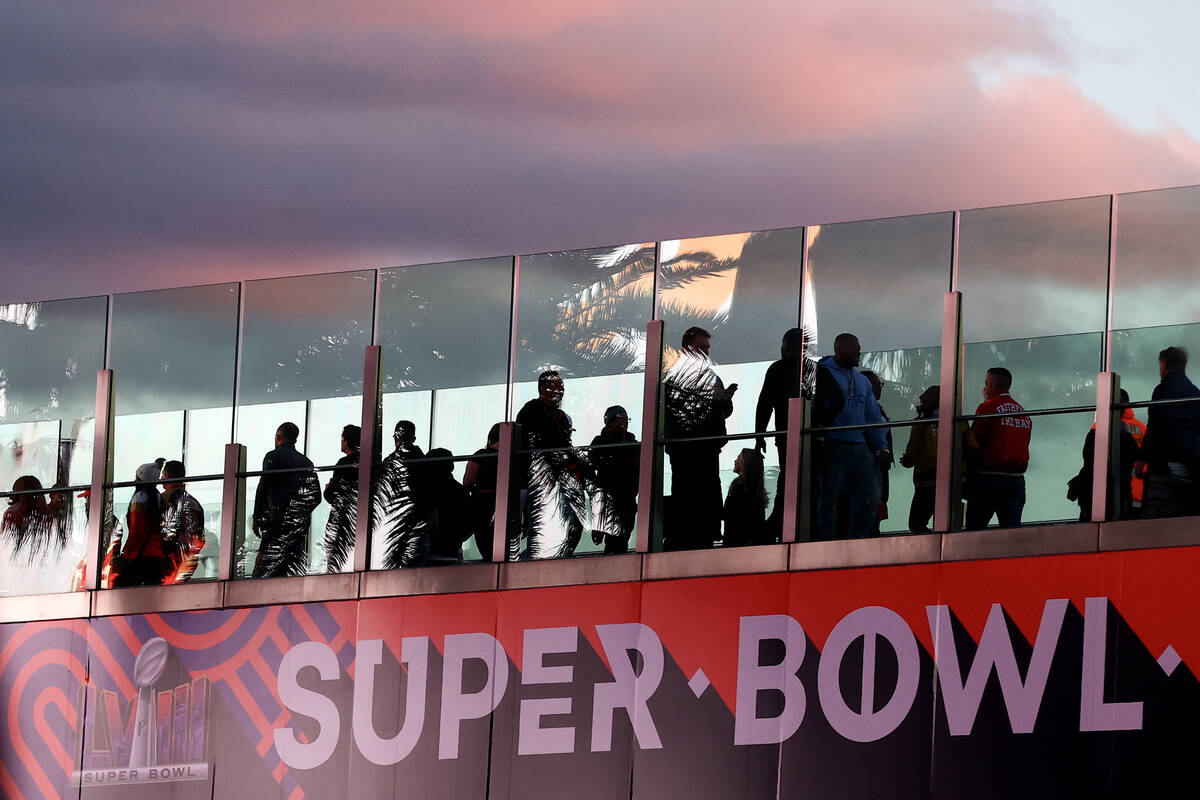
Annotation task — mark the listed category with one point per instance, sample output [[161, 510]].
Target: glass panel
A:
[[444, 330], [744, 290], [163, 533], [1155, 302], [1155, 307], [906, 263], [300, 385], [49, 356], [444, 334], [1028, 273], [582, 314], [1034, 283], [173, 357], [43, 537]]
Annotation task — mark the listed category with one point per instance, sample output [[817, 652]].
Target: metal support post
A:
[[369, 453], [650, 463], [233, 511], [949, 466], [504, 486], [1107, 442], [795, 502], [101, 475]]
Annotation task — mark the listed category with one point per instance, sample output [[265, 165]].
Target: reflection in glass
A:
[[1155, 299], [742, 289], [444, 331], [284, 500], [1158, 250], [49, 356], [553, 492], [904, 264], [42, 539], [1034, 284], [301, 372], [581, 314], [173, 356]]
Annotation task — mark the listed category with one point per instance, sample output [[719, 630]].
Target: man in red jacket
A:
[[998, 480]]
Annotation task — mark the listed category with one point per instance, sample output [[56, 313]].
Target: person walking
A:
[[616, 461], [287, 493]]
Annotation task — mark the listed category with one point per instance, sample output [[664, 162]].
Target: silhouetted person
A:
[[405, 439], [697, 405], [182, 523], [554, 501], [746, 503], [1079, 488], [479, 479], [885, 459], [614, 503], [921, 457], [849, 459], [781, 383], [283, 506], [449, 509], [1171, 449], [341, 492], [997, 480], [143, 560], [32, 526]]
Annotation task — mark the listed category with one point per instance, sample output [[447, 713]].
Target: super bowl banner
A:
[[1057, 677]]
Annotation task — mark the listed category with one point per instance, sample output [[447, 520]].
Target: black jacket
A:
[[1172, 431]]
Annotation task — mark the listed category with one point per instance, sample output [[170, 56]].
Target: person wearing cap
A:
[[143, 559], [616, 460]]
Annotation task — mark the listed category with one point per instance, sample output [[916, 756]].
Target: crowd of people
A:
[[422, 515]]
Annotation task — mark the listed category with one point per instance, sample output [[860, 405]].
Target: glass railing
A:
[[574, 501]]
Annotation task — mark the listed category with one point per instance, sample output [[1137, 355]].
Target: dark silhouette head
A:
[[792, 345], [287, 433], [493, 435], [1173, 359], [352, 436], [405, 433], [929, 401], [876, 382], [616, 418], [696, 340], [846, 350], [439, 463]]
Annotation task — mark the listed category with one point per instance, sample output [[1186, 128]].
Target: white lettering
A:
[[1022, 699], [315, 705], [1094, 713], [458, 706], [630, 691], [414, 651], [868, 725], [532, 738], [752, 678]]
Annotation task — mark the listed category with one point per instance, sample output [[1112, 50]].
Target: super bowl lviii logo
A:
[[156, 737]]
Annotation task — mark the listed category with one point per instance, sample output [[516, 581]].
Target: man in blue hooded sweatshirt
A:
[[850, 457]]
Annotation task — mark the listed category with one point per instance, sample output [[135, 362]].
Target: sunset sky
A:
[[153, 143]]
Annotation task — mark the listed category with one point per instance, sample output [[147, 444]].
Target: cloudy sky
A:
[[151, 143]]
